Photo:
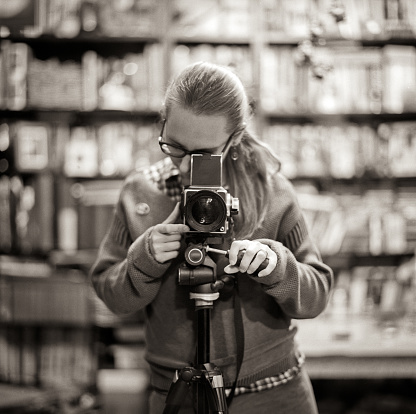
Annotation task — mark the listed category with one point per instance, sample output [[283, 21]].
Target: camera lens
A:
[[206, 211]]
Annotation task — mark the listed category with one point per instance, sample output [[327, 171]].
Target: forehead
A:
[[195, 131]]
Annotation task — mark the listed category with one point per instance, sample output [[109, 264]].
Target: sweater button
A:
[[142, 209]]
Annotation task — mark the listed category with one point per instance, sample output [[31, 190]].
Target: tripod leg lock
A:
[[209, 377], [179, 388], [215, 388]]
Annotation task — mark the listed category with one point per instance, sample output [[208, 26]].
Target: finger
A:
[[174, 215], [230, 269], [163, 247], [269, 269], [258, 260], [253, 248], [171, 229], [166, 256], [165, 237], [272, 257], [235, 248]]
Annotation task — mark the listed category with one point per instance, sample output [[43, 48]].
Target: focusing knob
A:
[[194, 255], [235, 206]]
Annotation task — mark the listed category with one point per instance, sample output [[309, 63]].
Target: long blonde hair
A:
[[209, 89]]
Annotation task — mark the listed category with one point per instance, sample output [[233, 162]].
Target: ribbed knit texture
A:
[[127, 278]]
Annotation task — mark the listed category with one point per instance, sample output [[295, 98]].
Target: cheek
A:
[[176, 161]]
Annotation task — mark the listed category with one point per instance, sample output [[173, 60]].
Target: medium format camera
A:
[[206, 206]]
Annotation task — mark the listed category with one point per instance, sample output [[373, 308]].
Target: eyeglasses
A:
[[176, 151]]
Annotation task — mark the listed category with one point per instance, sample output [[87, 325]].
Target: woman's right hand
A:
[[165, 238]]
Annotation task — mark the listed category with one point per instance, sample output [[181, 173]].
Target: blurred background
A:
[[333, 88]]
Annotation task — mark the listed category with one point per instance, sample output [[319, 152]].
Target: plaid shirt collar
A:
[[166, 177]]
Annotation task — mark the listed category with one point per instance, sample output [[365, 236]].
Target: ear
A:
[[239, 135]]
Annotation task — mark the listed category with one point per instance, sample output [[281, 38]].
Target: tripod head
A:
[[200, 272]]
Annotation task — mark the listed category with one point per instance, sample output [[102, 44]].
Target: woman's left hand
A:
[[254, 254]]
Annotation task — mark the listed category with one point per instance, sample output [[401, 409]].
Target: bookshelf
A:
[[332, 86]]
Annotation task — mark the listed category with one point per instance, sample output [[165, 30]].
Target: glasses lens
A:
[[172, 151]]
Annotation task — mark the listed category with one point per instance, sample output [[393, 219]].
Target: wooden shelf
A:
[[357, 348], [341, 367], [336, 118]]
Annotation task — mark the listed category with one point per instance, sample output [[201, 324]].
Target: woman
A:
[[205, 111]]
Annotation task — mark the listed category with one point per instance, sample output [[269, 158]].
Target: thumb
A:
[[174, 215]]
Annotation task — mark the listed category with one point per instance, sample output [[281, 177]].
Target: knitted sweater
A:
[[128, 278]]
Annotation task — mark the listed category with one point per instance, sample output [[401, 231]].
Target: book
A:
[[401, 147], [31, 144], [16, 58], [94, 204], [128, 19], [399, 78], [52, 84], [81, 153], [6, 232]]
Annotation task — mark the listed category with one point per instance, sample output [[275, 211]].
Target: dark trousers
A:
[[294, 397]]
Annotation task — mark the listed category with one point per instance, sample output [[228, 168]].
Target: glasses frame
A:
[[185, 151]]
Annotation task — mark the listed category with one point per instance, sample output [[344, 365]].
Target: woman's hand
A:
[[255, 253], [165, 238]]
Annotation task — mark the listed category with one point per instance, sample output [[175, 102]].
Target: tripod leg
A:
[[178, 390], [214, 386]]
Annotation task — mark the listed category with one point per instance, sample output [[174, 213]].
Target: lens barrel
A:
[[206, 211]]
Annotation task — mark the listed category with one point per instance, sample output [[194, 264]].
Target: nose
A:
[[185, 164]]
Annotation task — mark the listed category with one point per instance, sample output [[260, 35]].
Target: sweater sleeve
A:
[[125, 275], [301, 282]]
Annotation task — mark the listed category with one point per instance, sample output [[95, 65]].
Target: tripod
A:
[[199, 272]]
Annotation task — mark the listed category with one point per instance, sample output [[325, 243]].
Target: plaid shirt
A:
[[167, 178], [271, 382]]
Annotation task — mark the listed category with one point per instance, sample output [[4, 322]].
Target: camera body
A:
[[207, 207]]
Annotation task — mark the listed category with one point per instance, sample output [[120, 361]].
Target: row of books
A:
[[132, 82], [355, 80], [345, 150], [238, 57], [212, 18], [47, 357], [40, 214], [109, 149], [382, 289], [45, 325], [26, 212], [232, 18], [373, 222], [385, 295], [371, 313], [102, 149], [59, 298], [350, 19], [71, 18], [113, 149], [348, 220]]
